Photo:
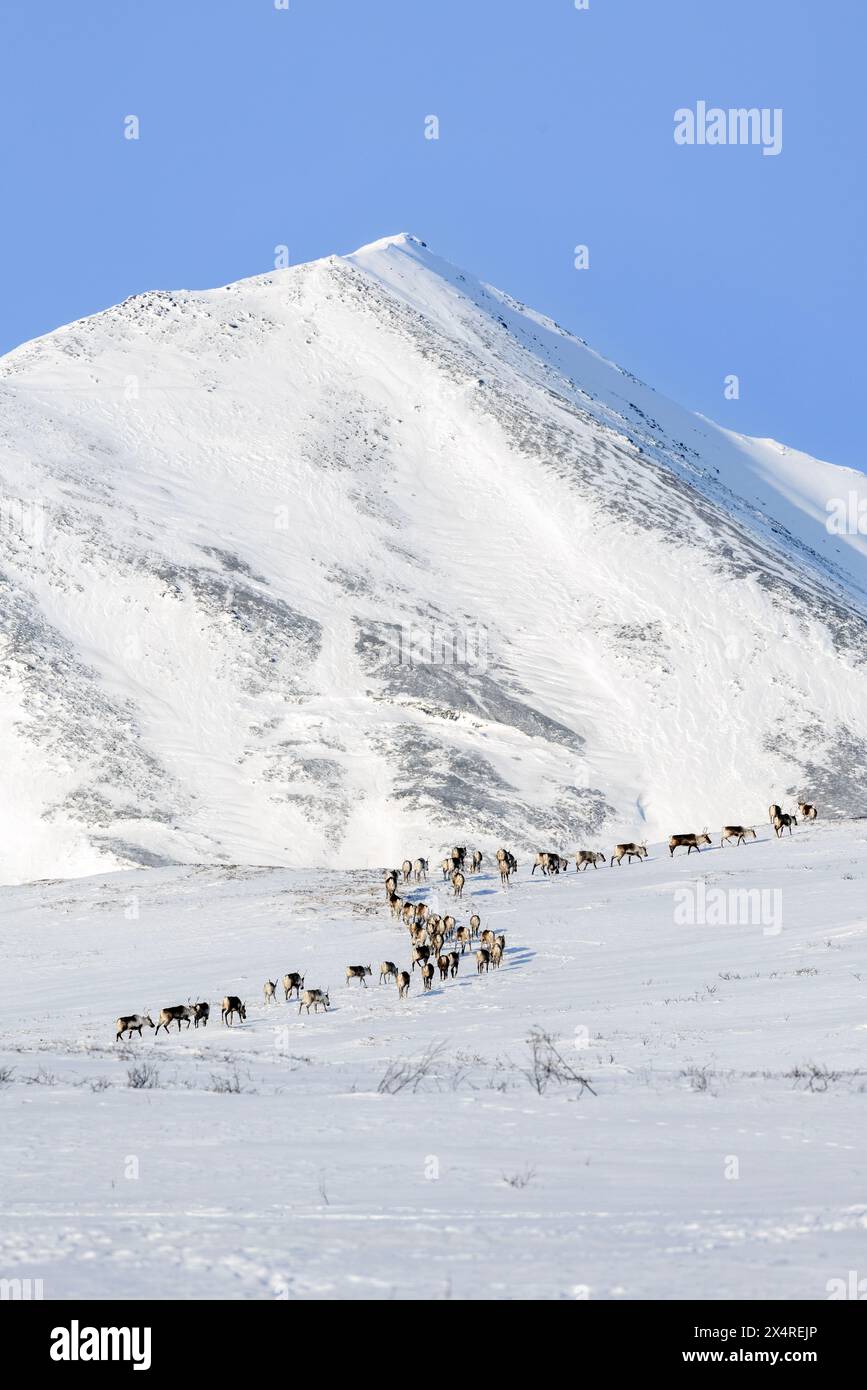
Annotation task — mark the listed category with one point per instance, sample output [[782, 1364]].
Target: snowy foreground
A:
[[721, 1153]]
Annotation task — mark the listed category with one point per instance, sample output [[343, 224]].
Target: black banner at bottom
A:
[[237, 1338]]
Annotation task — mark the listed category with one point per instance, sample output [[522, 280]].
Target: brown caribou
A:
[[585, 857], [628, 851], [736, 832], [690, 842]]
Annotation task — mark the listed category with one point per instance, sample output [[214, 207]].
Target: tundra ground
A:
[[408, 1149]]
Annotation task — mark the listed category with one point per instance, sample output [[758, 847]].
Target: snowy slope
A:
[[720, 1155], [220, 509]]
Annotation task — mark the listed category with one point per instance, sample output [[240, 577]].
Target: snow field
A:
[[720, 1155]]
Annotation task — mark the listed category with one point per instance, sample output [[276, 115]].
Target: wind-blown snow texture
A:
[[229, 500], [721, 1155]]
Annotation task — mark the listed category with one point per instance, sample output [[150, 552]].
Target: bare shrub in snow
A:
[[409, 1073], [547, 1064], [520, 1179], [226, 1085], [699, 1078], [41, 1078], [812, 1076], [143, 1077]]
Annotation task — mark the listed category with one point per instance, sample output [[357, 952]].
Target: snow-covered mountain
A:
[[231, 521]]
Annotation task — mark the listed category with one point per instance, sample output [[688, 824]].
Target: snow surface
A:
[[219, 507], [311, 1182]]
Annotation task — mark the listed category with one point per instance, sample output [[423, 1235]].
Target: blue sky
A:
[[305, 127]]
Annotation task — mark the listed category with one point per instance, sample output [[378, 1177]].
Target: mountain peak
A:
[[382, 243]]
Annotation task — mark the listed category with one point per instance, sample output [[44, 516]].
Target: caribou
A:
[[132, 1023], [293, 981], [175, 1013], [358, 972], [690, 842], [585, 857], [403, 984], [783, 822], [736, 832], [387, 971], [318, 998], [547, 861], [232, 1005], [628, 852], [807, 811]]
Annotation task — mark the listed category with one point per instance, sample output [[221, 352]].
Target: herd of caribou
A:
[[431, 933], [551, 863]]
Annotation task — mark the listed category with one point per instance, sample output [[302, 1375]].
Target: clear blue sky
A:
[[305, 127]]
